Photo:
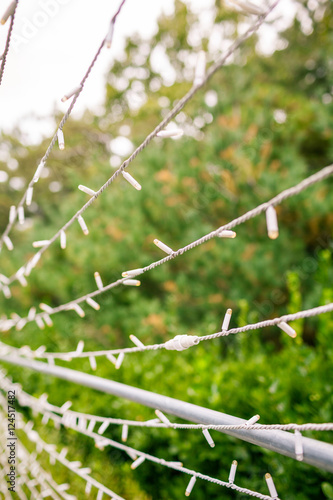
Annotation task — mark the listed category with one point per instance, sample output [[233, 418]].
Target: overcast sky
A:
[[52, 45]]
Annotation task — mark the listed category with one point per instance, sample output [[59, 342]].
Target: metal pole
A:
[[315, 452]]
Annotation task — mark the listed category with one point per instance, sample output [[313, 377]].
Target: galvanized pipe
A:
[[315, 452]]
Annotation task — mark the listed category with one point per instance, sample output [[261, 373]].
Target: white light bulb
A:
[[92, 303], [136, 341], [98, 280], [177, 132], [80, 347], [28, 198], [92, 361], [208, 437], [39, 322], [119, 361], [72, 92], [248, 7], [103, 427], [227, 234], [8, 242], [137, 462], [62, 240], [38, 171], [163, 247], [12, 214], [272, 223], [124, 433], [8, 12], [253, 420], [232, 472], [132, 273], [46, 308], [34, 260], [298, 446], [162, 417], [83, 225], [109, 36], [271, 486], [86, 190], [61, 139], [78, 310], [66, 406], [20, 214], [132, 282], [190, 486], [226, 320], [287, 329], [131, 180], [31, 313], [111, 358], [21, 279], [47, 319], [91, 425], [40, 243], [200, 69]]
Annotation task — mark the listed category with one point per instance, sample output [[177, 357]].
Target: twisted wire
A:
[[287, 193], [134, 452], [62, 123], [180, 104], [9, 35], [43, 406]]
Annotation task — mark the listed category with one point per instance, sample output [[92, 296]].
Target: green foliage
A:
[[327, 490], [234, 155]]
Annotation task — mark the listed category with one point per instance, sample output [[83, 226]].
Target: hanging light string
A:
[[171, 344], [50, 449], [75, 93], [137, 456], [272, 322], [176, 109], [22, 479], [10, 12], [26, 466], [90, 421], [313, 179]]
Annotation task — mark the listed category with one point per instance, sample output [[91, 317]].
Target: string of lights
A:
[[158, 131], [50, 449], [18, 211], [222, 232], [84, 423], [9, 13], [91, 421], [137, 456], [30, 474], [178, 343]]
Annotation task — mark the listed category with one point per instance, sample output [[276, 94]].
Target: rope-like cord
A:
[[25, 351], [5, 53], [43, 406], [271, 322], [62, 122], [50, 449], [180, 104], [318, 176], [26, 464]]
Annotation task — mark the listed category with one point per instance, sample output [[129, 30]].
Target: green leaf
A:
[[327, 490]]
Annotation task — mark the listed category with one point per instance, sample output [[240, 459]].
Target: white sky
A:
[[52, 46]]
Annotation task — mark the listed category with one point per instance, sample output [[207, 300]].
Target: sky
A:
[[53, 43]]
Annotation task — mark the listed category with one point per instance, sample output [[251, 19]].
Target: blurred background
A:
[[261, 125]]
